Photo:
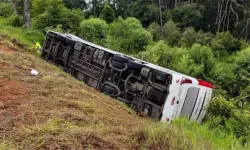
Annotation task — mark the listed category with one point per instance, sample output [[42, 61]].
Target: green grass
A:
[[22, 35], [182, 134]]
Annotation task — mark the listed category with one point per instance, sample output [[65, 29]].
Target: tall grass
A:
[[22, 35], [182, 134]]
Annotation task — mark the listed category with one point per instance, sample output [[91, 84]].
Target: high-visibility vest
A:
[[38, 46]]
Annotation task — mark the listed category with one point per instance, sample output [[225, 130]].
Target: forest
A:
[[206, 39]]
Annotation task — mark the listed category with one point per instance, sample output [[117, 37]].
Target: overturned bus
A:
[[149, 89]]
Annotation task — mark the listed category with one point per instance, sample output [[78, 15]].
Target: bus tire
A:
[[134, 65], [120, 59], [117, 65], [109, 90]]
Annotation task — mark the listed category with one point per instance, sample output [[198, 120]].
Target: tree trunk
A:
[[14, 6], [161, 21], [26, 13]]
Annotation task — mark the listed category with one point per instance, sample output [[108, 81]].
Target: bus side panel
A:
[[199, 102], [205, 105], [169, 110]]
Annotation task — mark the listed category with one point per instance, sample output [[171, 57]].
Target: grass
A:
[[57, 111], [182, 134], [22, 35]]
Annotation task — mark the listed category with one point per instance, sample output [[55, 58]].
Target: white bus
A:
[[149, 89]]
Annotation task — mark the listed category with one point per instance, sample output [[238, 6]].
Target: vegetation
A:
[[191, 37]]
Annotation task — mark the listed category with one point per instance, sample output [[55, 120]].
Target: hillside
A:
[[55, 111]]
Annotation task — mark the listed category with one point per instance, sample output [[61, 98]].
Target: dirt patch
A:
[[11, 90], [6, 49], [97, 143], [3, 65]]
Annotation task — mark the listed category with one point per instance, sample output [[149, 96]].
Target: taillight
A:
[[186, 81], [206, 84], [173, 101]]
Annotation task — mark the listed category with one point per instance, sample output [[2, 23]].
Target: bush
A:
[[154, 29], [57, 14], [189, 37], [204, 38], [107, 13], [225, 42], [6, 9], [183, 134], [14, 20], [172, 33], [224, 77], [95, 30], [128, 36], [224, 115], [242, 69], [202, 55], [177, 59], [188, 15]]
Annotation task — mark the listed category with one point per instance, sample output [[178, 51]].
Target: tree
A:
[[242, 69], [204, 38], [107, 13], [5, 9], [128, 36], [224, 77], [203, 55], [40, 6], [172, 33], [14, 7], [175, 58], [189, 37], [154, 29], [57, 14], [145, 10], [26, 13], [188, 15], [94, 30], [225, 42], [73, 4]]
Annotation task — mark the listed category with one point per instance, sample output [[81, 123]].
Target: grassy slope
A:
[[54, 110]]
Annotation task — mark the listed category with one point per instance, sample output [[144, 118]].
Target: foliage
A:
[[72, 4], [225, 115], [15, 21], [182, 134], [172, 33], [243, 69], [187, 15], [56, 13], [189, 37], [224, 41], [24, 36], [107, 13], [224, 76], [202, 55], [94, 30], [204, 38], [5, 9], [177, 59], [145, 11], [128, 36], [154, 29]]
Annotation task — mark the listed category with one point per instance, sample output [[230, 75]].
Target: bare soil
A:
[[6, 49]]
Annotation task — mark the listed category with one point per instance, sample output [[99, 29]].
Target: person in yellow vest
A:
[[37, 46]]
